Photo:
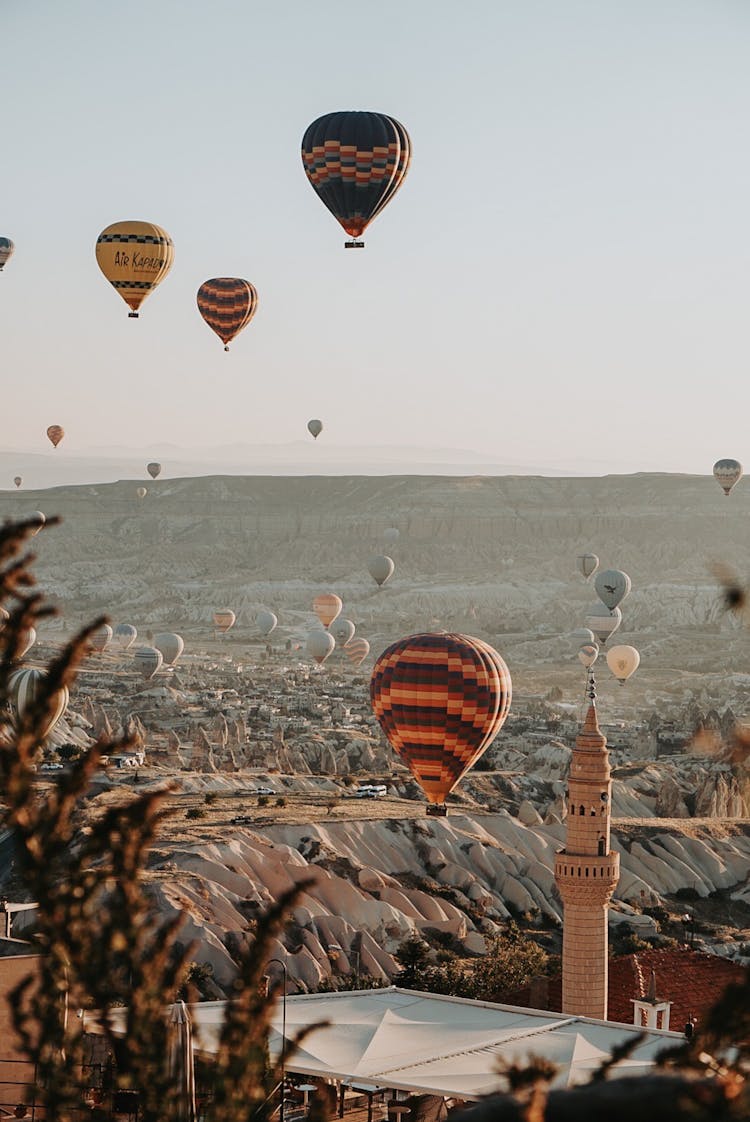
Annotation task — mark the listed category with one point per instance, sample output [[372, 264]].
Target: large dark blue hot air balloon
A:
[[356, 161]]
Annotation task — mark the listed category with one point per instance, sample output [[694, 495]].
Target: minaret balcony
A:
[[585, 877]]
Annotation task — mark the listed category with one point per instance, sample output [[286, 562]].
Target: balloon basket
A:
[[132, 315], [354, 245], [434, 811]]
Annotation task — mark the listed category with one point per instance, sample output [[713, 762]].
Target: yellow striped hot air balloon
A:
[[327, 607], [227, 304], [135, 257], [441, 700]]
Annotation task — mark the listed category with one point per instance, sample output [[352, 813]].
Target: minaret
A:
[[586, 872]]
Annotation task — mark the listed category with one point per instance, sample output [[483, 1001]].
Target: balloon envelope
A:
[[441, 700], [227, 304], [623, 661], [141, 492], [40, 519], [391, 534], [319, 645], [602, 621], [584, 635], [224, 620], [147, 660], [17, 480], [342, 630], [315, 428], [355, 163], [55, 434], [25, 686], [588, 563], [6, 251], [588, 654], [153, 469], [357, 650], [101, 638], [380, 569], [266, 622], [135, 257], [28, 638], [727, 473], [612, 586], [327, 607], [125, 635], [170, 645]]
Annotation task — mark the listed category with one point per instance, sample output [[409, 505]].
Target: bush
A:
[[210, 798], [195, 812], [281, 801], [263, 800]]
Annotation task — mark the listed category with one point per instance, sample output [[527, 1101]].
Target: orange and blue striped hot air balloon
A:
[[356, 162], [441, 700], [227, 304]]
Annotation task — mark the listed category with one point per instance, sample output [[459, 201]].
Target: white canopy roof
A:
[[431, 1044]]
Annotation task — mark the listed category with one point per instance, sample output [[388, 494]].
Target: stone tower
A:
[[586, 872]]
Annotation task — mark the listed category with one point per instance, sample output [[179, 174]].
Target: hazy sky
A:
[[564, 276]]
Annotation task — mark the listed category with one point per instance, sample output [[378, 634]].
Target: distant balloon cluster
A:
[[603, 619]]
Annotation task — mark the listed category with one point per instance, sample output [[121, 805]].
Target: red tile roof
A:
[[692, 980]]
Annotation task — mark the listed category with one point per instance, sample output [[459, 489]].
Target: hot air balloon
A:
[[319, 645], [342, 630], [357, 650], [125, 635], [380, 569], [227, 304], [727, 473], [141, 492], [588, 654], [25, 688], [584, 635], [135, 257], [147, 660], [4, 617], [315, 428], [612, 586], [27, 640], [603, 622], [153, 469], [6, 252], [623, 661], [170, 646], [441, 700], [327, 607], [101, 638], [356, 162], [55, 434], [17, 480], [391, 535], [266, 622], [224, 620], [588, 563]]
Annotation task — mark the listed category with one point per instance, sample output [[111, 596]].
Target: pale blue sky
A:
[[565, 274]]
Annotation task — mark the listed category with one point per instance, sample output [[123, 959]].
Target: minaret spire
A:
[[586, 872]]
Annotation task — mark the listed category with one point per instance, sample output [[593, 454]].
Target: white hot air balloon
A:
[[588, 654], [380, 569], [125, 635], [266, 621], [170, 645], [584, 635], [28, 638], [40, 519], [319, 645], [147, 660], [588, 563], [141, 492], [612, 586], [342, 630], [727, 473], [101, 638], [623, 661], [24, 686], [391, 535], [602, 621]]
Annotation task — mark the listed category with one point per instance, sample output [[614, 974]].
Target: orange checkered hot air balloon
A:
[[441, 700], [55, 434], [327, 606], [227, 304]]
